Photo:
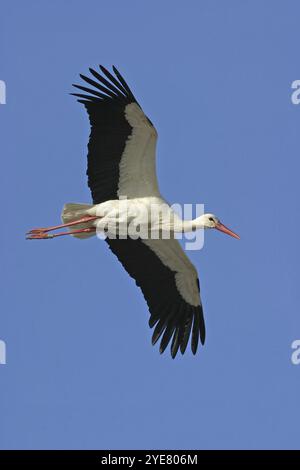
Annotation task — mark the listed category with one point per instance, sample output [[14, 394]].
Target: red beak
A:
[[224, 229]]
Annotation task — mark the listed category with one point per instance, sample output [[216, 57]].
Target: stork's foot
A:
[[38, 236], [38, 230]]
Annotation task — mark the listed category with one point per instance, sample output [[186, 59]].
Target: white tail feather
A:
[[71, 212]]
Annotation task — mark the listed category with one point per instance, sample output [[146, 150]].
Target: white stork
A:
[[121, 164]]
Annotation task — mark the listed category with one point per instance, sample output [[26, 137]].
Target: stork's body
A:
[[146, 215], [129, 209]]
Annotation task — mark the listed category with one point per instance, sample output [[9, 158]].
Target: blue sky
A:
[[215, 78]]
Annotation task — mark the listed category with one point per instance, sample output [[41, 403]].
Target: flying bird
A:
[[122, 178]]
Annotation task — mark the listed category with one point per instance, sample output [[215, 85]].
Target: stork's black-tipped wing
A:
[[171, 291], [121, 163], [121, 138]]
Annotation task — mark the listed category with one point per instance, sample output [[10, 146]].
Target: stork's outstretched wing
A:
[[170, 286], [121, 163], [121, 149]]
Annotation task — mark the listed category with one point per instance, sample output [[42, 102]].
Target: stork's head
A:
[[211, 221]]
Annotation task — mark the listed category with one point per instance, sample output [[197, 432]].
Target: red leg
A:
[[88, 218], [43, 236]]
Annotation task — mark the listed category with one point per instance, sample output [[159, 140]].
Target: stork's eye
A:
[[211, 219]]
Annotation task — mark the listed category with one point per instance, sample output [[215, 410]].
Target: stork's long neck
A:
[[189, 225]]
